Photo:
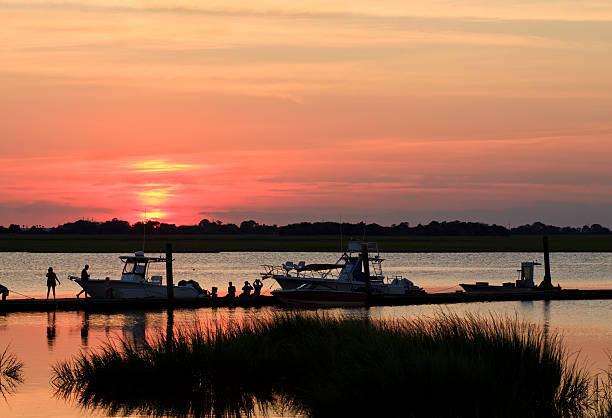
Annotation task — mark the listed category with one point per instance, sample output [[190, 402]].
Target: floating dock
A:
[[73, 304]]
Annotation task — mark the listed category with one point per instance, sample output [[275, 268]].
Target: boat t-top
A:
[[135, 281]]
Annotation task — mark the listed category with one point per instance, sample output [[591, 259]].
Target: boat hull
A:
[[378, 288], [330, 298], [290, 282], [122, 289]]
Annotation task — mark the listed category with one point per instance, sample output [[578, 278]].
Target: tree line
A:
[[205, 226]]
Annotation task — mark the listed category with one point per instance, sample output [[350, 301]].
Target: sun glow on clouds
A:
[[156, 198], [158, 166]]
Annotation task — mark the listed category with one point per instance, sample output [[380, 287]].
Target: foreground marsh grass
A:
[[323, 365], [11, 373]]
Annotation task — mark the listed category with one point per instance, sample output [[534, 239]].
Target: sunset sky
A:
[[280, 111]]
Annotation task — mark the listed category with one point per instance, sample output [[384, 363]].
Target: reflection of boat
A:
[[523, 284], [321, 295], [348, 281], [135, 281]]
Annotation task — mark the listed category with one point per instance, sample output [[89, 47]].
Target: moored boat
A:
[[523, 284], [135, 282], [348, 281]]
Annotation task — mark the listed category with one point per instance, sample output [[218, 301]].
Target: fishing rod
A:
[[21, 294]]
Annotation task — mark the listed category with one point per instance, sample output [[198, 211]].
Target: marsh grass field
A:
[[201, 243], [321, 365]]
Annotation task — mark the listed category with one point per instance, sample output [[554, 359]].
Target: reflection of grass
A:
[[324, 366], [209, 243], [603, 393], [10, 372]]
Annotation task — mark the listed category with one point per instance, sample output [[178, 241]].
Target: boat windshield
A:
[[314, 286], [135, 267]]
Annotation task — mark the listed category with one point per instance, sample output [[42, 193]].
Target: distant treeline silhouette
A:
[[434, 228]]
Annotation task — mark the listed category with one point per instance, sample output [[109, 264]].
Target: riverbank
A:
[[201, 243]]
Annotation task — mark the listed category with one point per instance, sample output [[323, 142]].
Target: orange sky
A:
[[280, 111]]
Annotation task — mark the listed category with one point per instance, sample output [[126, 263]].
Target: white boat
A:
[[348, 280], [135, 282]]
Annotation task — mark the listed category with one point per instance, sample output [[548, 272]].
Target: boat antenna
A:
[[365, 222], [144, 230], [341, 247]]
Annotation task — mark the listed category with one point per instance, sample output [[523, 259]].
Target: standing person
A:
[[108, 290], [257, 285], [84, 280], [231, 290], [246, 290], [51, 281]]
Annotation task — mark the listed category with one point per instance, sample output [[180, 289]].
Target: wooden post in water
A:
[[169, 278], [547, 282], [365, 260]]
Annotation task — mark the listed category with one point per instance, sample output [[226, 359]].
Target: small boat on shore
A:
[[135, 282], [348, 282]]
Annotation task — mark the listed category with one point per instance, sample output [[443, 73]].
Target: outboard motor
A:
[[193, 284], [4, 292]]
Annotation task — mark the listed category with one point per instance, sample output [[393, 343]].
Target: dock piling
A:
[[169, 278], [365, 260], [547, 282]]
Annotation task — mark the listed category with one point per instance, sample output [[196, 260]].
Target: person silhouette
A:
[[51, 281], [257, 285], [231, 290], [84, 280], [108, 290], [246, 290]]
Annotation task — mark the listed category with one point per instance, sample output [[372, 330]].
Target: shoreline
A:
[[201, 243]]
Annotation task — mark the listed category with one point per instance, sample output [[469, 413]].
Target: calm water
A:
[[42, 339]]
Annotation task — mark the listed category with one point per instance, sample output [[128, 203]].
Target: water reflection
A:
[[11, 374], [85, 329], [51, 330], [44, 338], [135, 328], [546, 318], [177, 406], [170, 324]]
